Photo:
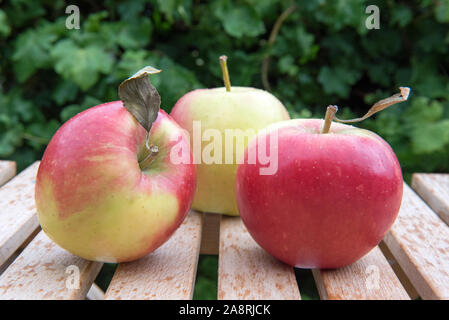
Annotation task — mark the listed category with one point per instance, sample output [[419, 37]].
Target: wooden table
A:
[[411, 261]]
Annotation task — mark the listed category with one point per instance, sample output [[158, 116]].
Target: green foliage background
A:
[[323, 54]]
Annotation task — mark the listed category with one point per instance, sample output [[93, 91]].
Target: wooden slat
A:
[[434, 189], [370, 278], [166, 274], [248, 272], [16, 253], [7, 171], [210, 234], [419, 240], [18, 217], [95, 293], [45, 271]]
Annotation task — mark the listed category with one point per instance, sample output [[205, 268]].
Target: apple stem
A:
[[153, 150], [224, 70], [330, 114]]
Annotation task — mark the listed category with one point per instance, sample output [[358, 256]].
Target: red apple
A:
[[332, 199], [98, 199]]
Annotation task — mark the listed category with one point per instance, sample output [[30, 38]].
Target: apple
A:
[[239, 110], [336, 193], [106, 193]]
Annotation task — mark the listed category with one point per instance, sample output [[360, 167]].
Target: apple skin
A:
[[332, 200], [241, 108], [92, 197]]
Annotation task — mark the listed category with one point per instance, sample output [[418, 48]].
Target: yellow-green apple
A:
[[227, 117], [336, 192], [102, 194]]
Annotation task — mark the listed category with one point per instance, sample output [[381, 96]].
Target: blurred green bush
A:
[[322, 54]]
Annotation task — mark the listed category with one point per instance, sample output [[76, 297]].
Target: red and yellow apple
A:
[[93, 196], [241, 111], [336, 193]]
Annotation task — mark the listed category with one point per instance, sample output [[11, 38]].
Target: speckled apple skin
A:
[[93, 199], [333, 198], [241, 108]]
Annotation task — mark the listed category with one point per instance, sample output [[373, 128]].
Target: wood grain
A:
[[370, 278], [210, 234], [434, 189], [7, 171], [45, 271], [419, 241], [16, 253], [166, 274], [18, 217], [246, 271]]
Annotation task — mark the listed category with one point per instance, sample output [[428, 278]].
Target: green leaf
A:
[[340, 13], [131, 9], [173, 9], [239, 19], [20, 12], [64, 92], [94, 21], [430, 137], [81, 65], [337, 80], [423, 110], [24, 157], [70, 111], [32, 52], [401, 16], [425, 78], [287, 65], [441, 11], [73, 109], [381, 73], [39, 134], [134, 35], [5, 28], [300, 42], [9, 140]]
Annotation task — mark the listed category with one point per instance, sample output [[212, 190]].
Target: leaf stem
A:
[[274, 32], [224, 70], [37, 139], [381, 105], [378, 106]]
